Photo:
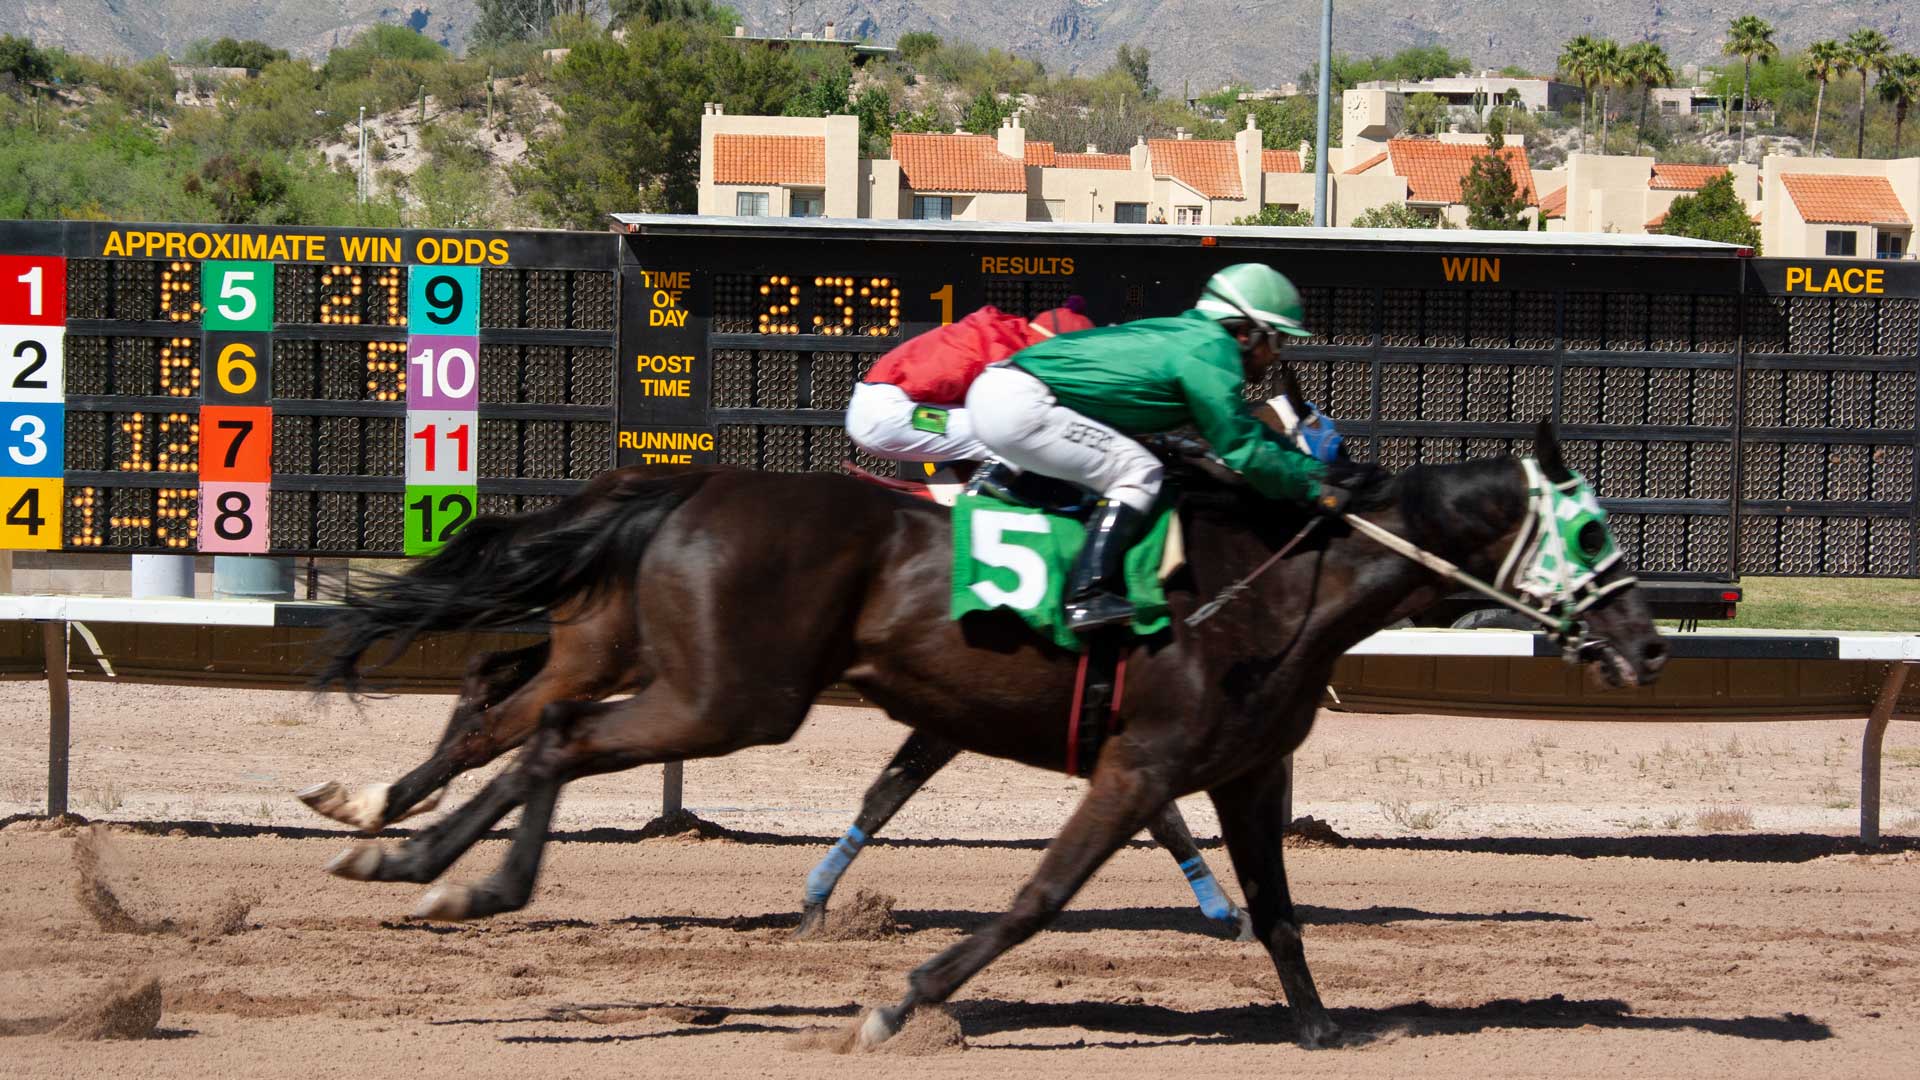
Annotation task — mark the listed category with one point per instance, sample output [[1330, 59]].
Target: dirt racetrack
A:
[[1514, 899]]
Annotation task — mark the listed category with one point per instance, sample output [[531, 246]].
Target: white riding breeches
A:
[[1018, 419], [880, 420]]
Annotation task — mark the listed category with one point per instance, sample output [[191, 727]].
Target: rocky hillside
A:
[[1204, 42], [142, 28]]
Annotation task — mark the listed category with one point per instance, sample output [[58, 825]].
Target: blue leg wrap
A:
[[823, 877], [1213, 903]]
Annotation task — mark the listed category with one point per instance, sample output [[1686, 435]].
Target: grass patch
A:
[[1827, 604], [1725, 819], [1414, 818]]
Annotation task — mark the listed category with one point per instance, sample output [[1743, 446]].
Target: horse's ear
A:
[[1290, 386], [1546, 450]]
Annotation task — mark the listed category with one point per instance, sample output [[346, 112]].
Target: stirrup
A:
[[995, 478], [1097, 611]]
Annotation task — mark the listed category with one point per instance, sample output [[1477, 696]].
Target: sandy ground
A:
[[1517, 899]]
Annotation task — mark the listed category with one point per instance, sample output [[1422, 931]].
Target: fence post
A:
[[672, 787], [53, 644], [1883, 709]]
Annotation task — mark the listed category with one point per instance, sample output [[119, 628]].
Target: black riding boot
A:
[[996, 478], [1003, 482], [1097, 587]]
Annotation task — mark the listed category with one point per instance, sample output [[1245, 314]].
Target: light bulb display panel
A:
[[236, 390]]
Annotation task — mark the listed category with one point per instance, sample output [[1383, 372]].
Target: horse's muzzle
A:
[[1639, 665]]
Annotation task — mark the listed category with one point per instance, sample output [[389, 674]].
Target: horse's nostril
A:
[[1655, 653]]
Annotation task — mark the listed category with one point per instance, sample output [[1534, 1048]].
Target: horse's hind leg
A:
[[579, 739], [1123, 798], [1169, 830], [912, 766], [1253, 817], [580, 665], [473, 737]]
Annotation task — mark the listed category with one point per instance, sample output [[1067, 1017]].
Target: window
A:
[[1843, 242], [1890, 246], [750, 204], [809, 204], [1130, 213], [1187, 215], [933, 207]]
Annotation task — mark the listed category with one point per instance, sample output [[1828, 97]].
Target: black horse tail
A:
[[501, 572]]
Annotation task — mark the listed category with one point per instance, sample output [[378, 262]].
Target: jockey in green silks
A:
[[1068, 407]]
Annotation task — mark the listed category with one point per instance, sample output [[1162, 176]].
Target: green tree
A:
[[1425, 114], [1899, 85], [1492, 197], [1750, 38], [660, 11], [1275, 214], [1824, 61], [1283, 124], [826, 88], [1714, 213], [359, 58], [629, 134], [22, 59], [1608, 72], [1136, 62], [229, 52], [1869, 50], [1648, 67], [874, 107], [985, 113], [916, 46], [1576, 65], [1395, 216]]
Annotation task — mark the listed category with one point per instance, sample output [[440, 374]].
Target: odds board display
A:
[[295, 391]]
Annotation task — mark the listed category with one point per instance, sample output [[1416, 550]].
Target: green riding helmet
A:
[[1258, 292]]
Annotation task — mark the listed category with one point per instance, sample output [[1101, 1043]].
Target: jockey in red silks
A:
[[910, 404]]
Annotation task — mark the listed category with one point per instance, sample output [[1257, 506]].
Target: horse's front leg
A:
[[1123, 797], [912, 766], [1253, 817], [1169, 830], [476, 733]]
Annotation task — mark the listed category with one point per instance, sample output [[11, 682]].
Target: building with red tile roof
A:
[[1672, 176], [1435, 171], [1835, 208], [957, 163], [1280, 161], [770, 159], [1209, 167]]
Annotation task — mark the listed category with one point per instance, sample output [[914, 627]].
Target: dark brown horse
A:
[[737, 597]]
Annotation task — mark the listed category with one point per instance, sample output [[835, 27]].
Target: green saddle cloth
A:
[[1018, 557]]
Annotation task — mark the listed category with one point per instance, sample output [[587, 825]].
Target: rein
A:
[[1559, 612]]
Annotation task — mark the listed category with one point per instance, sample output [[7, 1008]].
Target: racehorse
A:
[[676, 576]]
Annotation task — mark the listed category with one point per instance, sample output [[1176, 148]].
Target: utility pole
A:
[[361, 191], [1320, 132]]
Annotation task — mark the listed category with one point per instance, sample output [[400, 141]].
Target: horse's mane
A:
[[1441, 506]]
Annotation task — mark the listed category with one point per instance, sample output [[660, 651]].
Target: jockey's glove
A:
[[1331, 500]]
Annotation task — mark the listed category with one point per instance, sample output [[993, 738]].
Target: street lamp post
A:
[[1320, 133], [362, 184]]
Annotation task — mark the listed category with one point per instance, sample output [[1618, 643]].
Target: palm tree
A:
[[1576, 60], [1823, 62], [1870, 50], [1608, 73], [1647, 67], [1899, 86], [1750, 38]]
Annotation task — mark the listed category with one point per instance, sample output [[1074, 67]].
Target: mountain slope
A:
[[1201, 42]]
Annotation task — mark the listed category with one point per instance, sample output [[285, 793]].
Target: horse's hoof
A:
[[812, 918], [880, 1025], [1241, 926], [445, 903], [365, 809], [425, 806], [358, 863], [1319, 1033]]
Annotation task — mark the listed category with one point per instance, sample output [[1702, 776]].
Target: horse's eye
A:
[[1593, 539]]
